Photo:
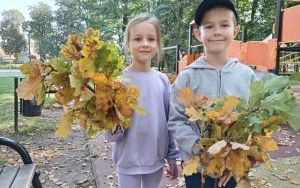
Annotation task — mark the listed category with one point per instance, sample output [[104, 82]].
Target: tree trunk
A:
[[253, 11], [179, 22], [125, 15]]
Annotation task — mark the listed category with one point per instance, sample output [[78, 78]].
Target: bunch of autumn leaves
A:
[[237, 134], [85, 81]]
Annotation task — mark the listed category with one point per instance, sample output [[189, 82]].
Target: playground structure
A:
[[279, 53]]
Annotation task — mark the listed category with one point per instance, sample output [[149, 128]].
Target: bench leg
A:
[[36, 183]]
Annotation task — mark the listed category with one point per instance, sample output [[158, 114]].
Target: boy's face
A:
[[217, 30]]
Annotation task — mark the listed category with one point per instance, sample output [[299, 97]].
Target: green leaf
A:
[[294, 117], [277, 102], [216, 132], [109, 61], [295, 77], [139, 110], [92, 132], [76, 83], [255, 123], [60, 65], [242, 105], [256, 94], [273, 83]]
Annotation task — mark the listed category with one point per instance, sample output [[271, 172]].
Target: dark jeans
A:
[[194, 181]]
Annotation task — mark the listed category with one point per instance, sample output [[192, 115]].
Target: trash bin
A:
[[29, 108]]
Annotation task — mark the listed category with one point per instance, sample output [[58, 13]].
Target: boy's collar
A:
[[203, 64]]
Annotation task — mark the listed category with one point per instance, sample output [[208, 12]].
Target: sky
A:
[[22, 5]]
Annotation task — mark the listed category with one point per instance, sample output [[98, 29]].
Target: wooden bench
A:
[[19, 176]]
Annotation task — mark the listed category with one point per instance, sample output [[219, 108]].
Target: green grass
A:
[[6, 88], [2, 161], [26, 125]]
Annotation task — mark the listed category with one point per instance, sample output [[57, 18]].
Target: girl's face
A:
[[143, 43]]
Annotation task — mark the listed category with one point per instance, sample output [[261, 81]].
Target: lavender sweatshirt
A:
[[142, 148]]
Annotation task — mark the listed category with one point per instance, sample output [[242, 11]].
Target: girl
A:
[[139, 151]]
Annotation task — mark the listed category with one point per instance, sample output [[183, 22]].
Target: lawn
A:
[[26, 124]]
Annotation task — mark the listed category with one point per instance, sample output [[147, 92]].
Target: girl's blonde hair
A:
[[144, 18]]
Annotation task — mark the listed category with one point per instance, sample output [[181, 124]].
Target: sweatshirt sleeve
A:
[[172, 150], [172, 154], [179, 126]]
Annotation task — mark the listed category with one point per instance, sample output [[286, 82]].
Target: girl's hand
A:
[[172, 172]]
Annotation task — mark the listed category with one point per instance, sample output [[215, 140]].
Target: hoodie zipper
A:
[[219, 83]]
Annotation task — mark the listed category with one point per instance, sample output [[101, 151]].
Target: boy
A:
[[212, 75]]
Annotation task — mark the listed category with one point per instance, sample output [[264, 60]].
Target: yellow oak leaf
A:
[[28, 89], [87, 67], [70, 52], [72, 49], [40, 94], [190, 166], [100, 78], [195, 115], [267, 144], [76, 83], [134, 94], [226, 114], [60, 79], [187, 97], [75, 71], [91, 43], [86, 94], [104, 97], [272, 120], [65, 95], [213, 115], [82, 119], [216, 165], [122, 105], [104, 92], [63, 128], [172, 78], [268, 133], [229, 106], [25, 68], [75, 40], [238, 163]]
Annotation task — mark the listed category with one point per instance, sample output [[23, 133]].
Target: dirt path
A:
[[289, 142], [70, 163], [105, 169]]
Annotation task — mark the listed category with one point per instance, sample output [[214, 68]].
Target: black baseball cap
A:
[[206, 5]]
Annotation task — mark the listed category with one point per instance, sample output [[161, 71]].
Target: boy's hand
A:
[[172, 171], [118, 129], [196, 149], [224, 179]]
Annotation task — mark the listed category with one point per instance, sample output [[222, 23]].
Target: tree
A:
[[68, 20], [12, 40], [42, 30], [291, 3]]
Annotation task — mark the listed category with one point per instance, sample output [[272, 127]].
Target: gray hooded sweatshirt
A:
[[233, 79]]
